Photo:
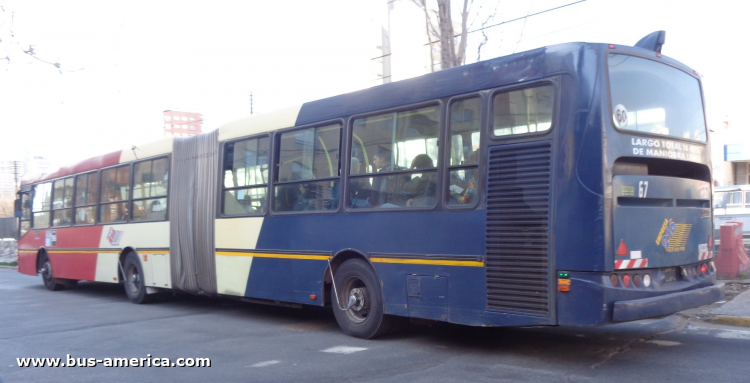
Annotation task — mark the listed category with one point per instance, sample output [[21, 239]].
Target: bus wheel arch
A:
[[133, 279], [121, 266], [360, 307], [44, 267], [336, 261]]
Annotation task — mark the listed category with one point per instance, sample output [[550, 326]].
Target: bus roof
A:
[[151, 149], [505, 70]]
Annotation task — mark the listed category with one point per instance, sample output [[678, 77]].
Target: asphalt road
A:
[[255, 343]]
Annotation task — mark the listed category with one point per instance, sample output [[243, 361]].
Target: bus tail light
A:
[[637, 280], [614, 280], [622, 249], [646, 280], [626, 280], [704, 269]]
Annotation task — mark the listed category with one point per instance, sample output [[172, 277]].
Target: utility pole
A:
[[16, 169]]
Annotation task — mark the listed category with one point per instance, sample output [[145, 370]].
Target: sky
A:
[[123, 63]]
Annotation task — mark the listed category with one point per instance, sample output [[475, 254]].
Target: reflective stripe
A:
[[631, 264], [435, 262]]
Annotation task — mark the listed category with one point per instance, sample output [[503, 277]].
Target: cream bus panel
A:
[[106, 267], [144, 235], [163, 146], [157, 269], [232, 273], [238, 233], [284, 118]]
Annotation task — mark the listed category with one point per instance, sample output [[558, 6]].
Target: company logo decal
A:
[[673, 236], [114, 236]]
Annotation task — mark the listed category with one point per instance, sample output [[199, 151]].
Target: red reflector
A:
[[611, 46], [710, 242], [626, 280], [613, 280], [622, 249]]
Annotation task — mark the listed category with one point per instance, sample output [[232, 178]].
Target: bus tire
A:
[[366, 318], [134, 281], [51, 283]]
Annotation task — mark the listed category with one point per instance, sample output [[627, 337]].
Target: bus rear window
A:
[[655, 98]]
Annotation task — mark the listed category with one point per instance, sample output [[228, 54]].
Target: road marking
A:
[[734, 334], [667, 343], [266, 363], [344, 350]]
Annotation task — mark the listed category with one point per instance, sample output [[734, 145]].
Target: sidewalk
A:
[[736, 311], [733, 310]]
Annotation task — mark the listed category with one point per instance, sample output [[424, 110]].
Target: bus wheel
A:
[[358, 286], [52, 284], [135, 286]]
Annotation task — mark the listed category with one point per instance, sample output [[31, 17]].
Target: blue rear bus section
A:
[[579, 223]]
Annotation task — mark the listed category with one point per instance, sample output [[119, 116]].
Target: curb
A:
[[731, 320]]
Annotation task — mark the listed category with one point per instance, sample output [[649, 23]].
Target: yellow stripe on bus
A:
[[271, 255], [436, 262]]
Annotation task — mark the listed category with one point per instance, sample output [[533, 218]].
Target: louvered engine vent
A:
[[517, 263]]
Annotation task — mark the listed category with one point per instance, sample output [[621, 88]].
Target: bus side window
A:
[[465, 127], [62, 202], [150, 183], [41, 205], [115, 186], [87, 191], [404, 146], [309, 170], [245, 175], [523, 111]]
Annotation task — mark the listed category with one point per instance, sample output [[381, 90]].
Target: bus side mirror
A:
[[17, 208]]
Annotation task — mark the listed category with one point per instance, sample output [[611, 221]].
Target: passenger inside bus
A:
[[383, 192], [420, 191], [359, 190]]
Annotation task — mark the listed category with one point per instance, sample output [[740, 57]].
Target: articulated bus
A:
[[566, 185]]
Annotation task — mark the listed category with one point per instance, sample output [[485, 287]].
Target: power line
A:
[[516, 19]]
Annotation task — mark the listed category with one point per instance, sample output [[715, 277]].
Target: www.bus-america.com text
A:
[[148, 361]]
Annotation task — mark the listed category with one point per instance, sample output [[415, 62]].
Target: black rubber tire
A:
[[355, 274], [51, 283], [134, 280]]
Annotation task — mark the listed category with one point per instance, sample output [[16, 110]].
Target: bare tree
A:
[[439, 27], [10, 46]]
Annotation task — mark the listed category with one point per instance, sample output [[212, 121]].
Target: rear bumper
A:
[[666, 304]]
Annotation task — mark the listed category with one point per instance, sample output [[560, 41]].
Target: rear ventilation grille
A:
[[517, 263]]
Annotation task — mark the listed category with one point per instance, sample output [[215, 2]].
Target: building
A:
[[730, 154], [182, 124], [737, 163]]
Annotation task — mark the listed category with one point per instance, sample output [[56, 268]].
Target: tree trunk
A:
[[460, 55], [447, 53]]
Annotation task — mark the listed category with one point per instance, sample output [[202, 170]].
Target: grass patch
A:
[[14, 263]]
